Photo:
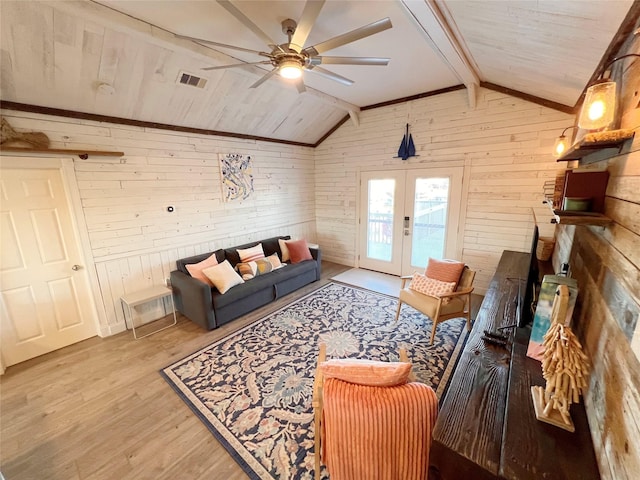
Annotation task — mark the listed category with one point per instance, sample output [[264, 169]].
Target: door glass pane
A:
[[429, 220], [380, 219]]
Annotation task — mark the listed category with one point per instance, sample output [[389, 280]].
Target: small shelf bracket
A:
[[549, 203]]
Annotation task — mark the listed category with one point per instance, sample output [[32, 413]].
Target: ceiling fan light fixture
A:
[[290, 69]]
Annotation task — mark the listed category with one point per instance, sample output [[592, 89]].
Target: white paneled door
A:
[[407, 216], [44, 290]]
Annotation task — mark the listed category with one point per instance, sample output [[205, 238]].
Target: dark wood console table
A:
[[487, 428]]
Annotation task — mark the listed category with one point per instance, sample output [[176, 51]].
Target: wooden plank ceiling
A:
[[123, 58]]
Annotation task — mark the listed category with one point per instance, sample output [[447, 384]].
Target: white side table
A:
[[131, 300]]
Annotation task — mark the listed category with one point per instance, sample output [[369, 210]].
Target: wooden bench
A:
[[486, 428]]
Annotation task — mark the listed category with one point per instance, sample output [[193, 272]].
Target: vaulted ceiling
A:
[[124, 58]]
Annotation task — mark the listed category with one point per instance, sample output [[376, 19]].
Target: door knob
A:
[[76, 267]]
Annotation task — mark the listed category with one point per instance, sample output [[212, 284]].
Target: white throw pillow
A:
[[223, 276], [284, 249], [250, 254]]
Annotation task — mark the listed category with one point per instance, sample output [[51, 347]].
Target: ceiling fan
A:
[[289, 59]]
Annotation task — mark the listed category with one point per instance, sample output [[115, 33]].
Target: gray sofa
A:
[[207, 307]]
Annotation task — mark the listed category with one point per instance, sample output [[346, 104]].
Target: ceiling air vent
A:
[[187, 79]]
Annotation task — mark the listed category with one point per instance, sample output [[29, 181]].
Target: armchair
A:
[[437, 307], [372, 431]]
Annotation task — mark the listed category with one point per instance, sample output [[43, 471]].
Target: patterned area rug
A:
[[253, 389]]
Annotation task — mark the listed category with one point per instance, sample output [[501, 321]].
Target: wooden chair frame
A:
[[464, 291]]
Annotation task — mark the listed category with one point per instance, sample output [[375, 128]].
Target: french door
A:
[[407, 216]]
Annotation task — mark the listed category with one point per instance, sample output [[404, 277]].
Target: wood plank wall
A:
[[606, 263], [504, 145], [134, 241]]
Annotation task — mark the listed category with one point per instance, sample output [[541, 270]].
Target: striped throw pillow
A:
[[251, 254]]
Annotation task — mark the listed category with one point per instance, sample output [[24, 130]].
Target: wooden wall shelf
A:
[[83, 154], [596, 142], [566, 217], [585, 218]]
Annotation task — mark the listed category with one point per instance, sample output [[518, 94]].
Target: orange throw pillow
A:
[[444, 270], [298, 250], [367, 372]]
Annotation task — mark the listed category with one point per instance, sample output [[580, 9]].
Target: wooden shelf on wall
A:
[[595, 142], [580, 218], [569, 217], [83, 154]]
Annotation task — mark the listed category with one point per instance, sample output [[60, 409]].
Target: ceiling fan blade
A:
[[305, 24], [331, 75], [242, 18], [349, 37], [300, 85], [217, 44], [236, 65], [264, 78], [327, 60]]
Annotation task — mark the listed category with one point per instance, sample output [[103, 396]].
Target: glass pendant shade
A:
[[599, 105], [290, 69], [561, 146]]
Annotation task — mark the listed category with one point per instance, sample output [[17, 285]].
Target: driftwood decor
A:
[[564, 368], [8, 136]]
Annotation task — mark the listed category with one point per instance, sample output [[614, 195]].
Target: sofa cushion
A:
[[284, 250], [195, 269], [182, 263], [250, 254], [298, 250], [275, 261], [269, 246], [247, 270], [240, 292], [223, 276], [261, 282]]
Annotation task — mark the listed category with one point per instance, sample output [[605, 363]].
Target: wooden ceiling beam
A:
[[435, 23]]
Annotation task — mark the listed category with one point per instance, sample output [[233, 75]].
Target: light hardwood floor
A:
[[99, 409]]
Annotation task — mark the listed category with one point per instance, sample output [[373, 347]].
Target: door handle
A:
[[76, 267]]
